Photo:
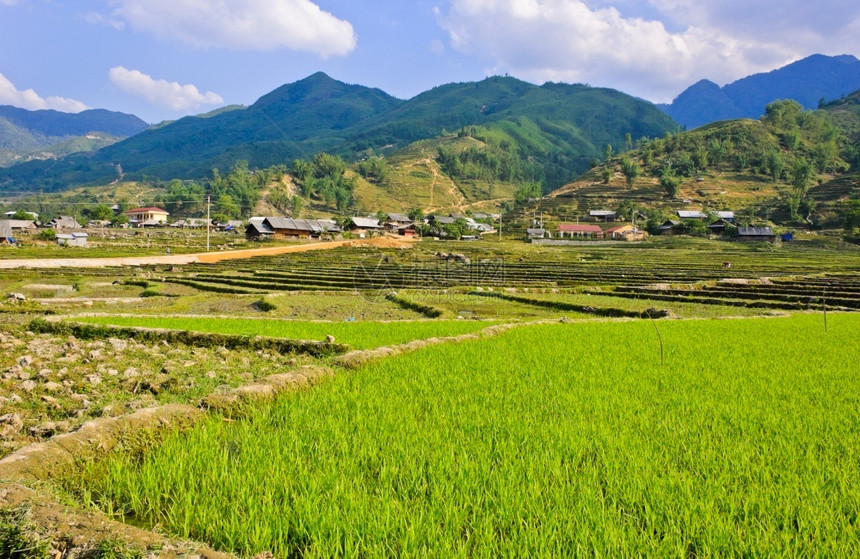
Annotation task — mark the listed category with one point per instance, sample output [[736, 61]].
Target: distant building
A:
[[719, 226], [691, 214], [34, 215], [764, 234], [5, 231], [626, 232], [728, 216], [21, 225], [263, 227], [669, 227], [574, 230], [72, 239], [64, 222], [602, 215], [537, 233], [363, 226], [147, 217]]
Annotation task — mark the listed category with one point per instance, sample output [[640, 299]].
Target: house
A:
[[34, 215], [755, 234], [64, 222], [438, 220], [192, 223], [233, 225], [719, 226], [691, 214], [602, 215], [407, 230], [363, 226], [302, 228], [573, 230], [72, 239], [258, 228], [727, 215], [627, 232], [22, 225], [147, 217], [395, 220], [536, 233], [669, 227], [5, 232]]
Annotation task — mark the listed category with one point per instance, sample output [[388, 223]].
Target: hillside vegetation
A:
[[557, 127], [791, 166], [46, 134]]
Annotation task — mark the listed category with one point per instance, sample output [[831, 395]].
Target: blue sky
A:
[[162, 59]]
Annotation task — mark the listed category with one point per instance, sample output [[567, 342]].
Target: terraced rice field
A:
[[359, 335], [551, 440]]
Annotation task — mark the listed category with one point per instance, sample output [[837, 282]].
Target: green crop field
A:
[[359, 335], [549, 440]]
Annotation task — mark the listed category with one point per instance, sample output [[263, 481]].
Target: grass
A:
[[360, 335], [553, 440]]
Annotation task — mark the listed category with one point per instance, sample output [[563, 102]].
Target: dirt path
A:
[[199, 258]]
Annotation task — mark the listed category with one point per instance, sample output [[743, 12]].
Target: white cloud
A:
[[161, 93], [8, 2], [262, 25], [96, 18], [29, 99], [654, 56]]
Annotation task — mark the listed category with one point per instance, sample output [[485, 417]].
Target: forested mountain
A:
[[806, 81], [47, 134], [557, 128], [791, 166]]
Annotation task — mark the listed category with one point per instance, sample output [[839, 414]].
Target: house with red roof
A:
[[143, 217], [574, 230]]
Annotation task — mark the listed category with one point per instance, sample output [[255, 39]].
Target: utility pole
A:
[[208, 219], [501, 213]]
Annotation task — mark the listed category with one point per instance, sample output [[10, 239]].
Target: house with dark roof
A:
[[669, 227], [602, 215], [763, 234], [64, 222], [5, 231]]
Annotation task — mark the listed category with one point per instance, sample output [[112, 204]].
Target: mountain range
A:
[[46, 134], [560, 126], [807, 81]]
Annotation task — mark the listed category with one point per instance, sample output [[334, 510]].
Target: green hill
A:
[[558, 128], [38, 135], [792, 166]]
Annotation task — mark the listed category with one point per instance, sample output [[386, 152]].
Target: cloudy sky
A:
[[162, 59]]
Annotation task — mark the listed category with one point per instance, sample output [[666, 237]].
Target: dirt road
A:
[[199, 258]]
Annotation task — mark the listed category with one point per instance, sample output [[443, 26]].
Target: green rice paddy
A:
[[546, 441], [359, 335]]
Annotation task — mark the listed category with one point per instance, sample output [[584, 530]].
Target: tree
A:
[[416, 214], [631, 170], [22, 215], [606, 175], [607, 152], [775, 165], [801, 174], [670, 183], [527, 192], [102, 212], [628, 141]]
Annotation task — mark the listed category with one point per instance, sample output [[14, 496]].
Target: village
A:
[[599, 225]]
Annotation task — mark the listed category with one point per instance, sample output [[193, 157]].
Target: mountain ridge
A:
[[562, 126], [806, 81]]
